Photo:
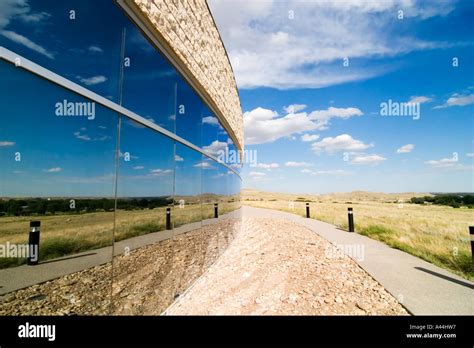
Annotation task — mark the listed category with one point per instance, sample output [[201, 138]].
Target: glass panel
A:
[[190, 243], [189, 114], [57, 154], [149, 81], [79, 40], [210, 130], [143, 279], [187, 207], [223, 229]]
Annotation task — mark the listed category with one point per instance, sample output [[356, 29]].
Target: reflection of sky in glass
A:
[[146, 162], [85, 50], [74, 156], [188, 171], [189, 114], [60, 155], [149, 87]]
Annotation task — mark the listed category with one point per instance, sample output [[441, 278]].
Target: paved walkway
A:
[[424, 289]]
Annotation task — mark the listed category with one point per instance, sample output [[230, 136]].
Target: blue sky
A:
[[334, 138], [74, 156]]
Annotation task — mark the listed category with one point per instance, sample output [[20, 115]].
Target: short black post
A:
[[216, 210], [33, 243], [471, 234], [350, 215], [307, 210], [168, 218]]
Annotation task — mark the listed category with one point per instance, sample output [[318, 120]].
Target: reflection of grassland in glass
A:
[[437, 234], [67, 234]]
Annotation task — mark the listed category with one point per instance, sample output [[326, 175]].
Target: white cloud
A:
[[457, 100], [159, 172], [343, 142], [420, 99], [215, 147], [23, 40], [94, 80], [257, 174], [13, 9], [367, 159], [53, 170], [267, 166], [322, 117], [298, 164], [442, 163], [138, 167], [10, 9], [34, 17], [80, 136], [406, 148], [309, 137], [294, 108], [469, 154], [6, 143], [85, 137], [95, 49], [203, 165], [178, 158], [210, 120], [263, 125], [267, 48], [335, 172]]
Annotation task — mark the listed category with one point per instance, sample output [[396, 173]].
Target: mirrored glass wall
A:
[[102, 211]]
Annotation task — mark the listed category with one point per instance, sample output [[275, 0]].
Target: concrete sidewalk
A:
[[424, 289]]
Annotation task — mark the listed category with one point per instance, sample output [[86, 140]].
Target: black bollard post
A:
[[168, 218], [33, 243], [350, 215], [471, 233], [307, 210], [216, 210]]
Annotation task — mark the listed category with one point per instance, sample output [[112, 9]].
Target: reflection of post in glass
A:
[[168, 218], [33, 243]]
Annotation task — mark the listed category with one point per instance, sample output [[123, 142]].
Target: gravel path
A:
[[278, 267]]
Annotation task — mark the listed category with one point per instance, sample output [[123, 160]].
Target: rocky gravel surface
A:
[[276, 267], [145, 281]]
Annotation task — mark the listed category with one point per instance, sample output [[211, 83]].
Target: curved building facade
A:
[[116, 190]]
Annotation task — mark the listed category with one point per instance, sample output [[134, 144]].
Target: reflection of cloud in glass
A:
[[203, 165], [161, 171], [95, 49], [178, 158], [138, 167], [23, 40], [215, 147], [6, 143], [85, 137], [11, 9], [35, 17], [94, 80], [53, 170]]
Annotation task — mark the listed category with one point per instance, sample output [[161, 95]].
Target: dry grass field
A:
[[437, 234]]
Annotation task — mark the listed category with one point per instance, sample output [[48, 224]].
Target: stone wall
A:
[[186, 30]]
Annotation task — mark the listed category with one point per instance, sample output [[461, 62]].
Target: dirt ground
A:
[[275, 267]]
